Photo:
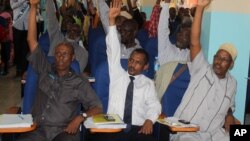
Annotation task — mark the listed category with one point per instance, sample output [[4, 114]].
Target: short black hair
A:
[[142, 51], [65, 43]]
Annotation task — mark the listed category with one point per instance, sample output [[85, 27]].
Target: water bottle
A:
[[156, 66]]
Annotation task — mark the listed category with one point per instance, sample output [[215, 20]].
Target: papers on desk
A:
[[15, 120], [99, 121], [174, 122]]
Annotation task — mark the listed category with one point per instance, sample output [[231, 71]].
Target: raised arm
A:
[[115, 9], [55, 34], [32, 31], [113, 43], [196, 28], [104, 14]]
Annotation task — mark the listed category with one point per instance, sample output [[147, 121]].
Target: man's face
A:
[[65, 22], [63, 58], [136, 64], [73, 31], [118, 21], [172, 13], [183, 38], [222, 62], [127, 33]]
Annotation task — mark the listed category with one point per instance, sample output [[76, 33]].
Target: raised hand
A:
[[114, 11], [115, 8], [203, 3]]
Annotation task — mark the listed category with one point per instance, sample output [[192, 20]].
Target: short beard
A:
[[72, 40]]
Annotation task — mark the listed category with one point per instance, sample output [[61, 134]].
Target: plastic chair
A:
[[101, 85], [152, 49]]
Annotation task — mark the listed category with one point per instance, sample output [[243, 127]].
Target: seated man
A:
[[60, 92], [212, 89], [131, 95], [73, 34]]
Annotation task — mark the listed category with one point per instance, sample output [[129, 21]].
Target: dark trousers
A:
[[5, 54], [131, 135], [21, 50], [161, 132], [40, 135]]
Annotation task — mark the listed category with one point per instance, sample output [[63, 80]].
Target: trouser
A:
[[5, 54], [20, 50], [131, 135], [40, 134]]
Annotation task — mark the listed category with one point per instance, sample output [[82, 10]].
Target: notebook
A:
[[15, 120]]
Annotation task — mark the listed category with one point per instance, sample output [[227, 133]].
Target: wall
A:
[[228, 21]]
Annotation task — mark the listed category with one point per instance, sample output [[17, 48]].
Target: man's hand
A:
[[203, 3], [147, 127], [114, 10], [74, 125]]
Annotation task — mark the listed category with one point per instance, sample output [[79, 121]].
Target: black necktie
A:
[[129, 102]]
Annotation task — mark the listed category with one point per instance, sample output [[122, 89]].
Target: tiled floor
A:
[[10, 91]]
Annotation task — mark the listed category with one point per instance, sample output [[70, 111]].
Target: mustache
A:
[[131, 68]]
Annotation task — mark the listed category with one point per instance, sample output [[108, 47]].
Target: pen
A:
[[20, 117]]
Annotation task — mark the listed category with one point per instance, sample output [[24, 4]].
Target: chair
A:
[[142, 36], [101, 85], [151, 48]]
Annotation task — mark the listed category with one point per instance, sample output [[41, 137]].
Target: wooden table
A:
[[18, 129], [104, 130]]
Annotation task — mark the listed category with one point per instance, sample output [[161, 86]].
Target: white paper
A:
[[173, 121], [15, 120], [88, 123]]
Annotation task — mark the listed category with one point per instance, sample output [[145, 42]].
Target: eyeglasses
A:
[[222, 59], [63, 54]]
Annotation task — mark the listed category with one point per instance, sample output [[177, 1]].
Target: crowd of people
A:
[[186, 86]]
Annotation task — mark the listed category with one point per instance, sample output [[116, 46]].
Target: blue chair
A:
[[151, 48], [99, 53], [101, 85], [142, 36]]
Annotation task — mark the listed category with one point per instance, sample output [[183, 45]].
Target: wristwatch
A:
[[84, 115]]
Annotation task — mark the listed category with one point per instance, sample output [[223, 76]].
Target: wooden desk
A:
[[18, 130], [104, 130], [175, 129], [183, 129]]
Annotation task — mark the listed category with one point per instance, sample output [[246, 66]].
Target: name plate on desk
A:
[[175, 125]]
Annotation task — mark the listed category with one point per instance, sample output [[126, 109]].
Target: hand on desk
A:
[[74, 125], [147, 127]]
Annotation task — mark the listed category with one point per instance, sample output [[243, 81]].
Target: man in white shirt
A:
[[145, 106], [166, 50], [125, 25], [211, 91]]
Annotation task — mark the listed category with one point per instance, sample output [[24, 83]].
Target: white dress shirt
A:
[[145, 102], [166, 50], [104, 16]]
